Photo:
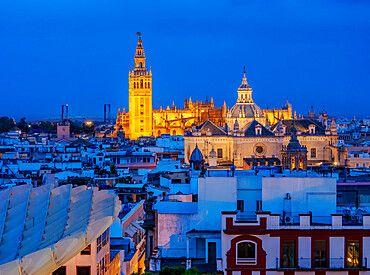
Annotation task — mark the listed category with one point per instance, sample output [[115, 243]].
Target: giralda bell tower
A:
[[140, 96]]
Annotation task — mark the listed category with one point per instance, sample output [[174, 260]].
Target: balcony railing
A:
[[332, 263], [246, 216]]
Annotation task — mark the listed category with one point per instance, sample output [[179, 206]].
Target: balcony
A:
[[331, 263]]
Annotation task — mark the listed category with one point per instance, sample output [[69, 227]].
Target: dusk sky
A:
[[79, 53]]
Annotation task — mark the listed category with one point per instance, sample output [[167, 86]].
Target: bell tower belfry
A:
[[140, 96]]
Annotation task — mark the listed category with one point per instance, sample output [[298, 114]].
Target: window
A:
[[60, 271], [219, 153], [141, 84], [292, 160], [195, 198], [353, 253], [246, 252], [320, 257], [288, 257], [201, 248], [313, 152], [258, 205], [87, 250], [240, 205], [301, 166], [102, 240], [98, 244], [83, 270]]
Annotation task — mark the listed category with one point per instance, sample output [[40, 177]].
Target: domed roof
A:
[[294, 144], [212, 154], [248, 110], [244, 84], [196, 155]]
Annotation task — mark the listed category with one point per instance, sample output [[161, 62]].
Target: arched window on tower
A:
[[292, 165], [140, 64], [146, 85], [141, 84], [301, 163], [134, 85]]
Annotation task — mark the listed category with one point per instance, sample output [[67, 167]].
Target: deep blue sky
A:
[[54, 52]]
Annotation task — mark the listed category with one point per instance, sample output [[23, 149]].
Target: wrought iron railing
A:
[[333, 263]]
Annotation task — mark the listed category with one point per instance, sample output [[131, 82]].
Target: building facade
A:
[[266, 246], [142, 120], [257, 141]]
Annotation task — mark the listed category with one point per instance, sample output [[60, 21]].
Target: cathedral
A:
[[143, 120], [252, 135]]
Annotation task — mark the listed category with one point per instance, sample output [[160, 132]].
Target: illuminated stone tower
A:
[[140, 96]]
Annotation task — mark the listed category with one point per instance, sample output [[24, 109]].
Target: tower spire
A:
[[140, 54]]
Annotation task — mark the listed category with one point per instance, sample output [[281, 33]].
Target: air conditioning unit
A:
[[288, 220]]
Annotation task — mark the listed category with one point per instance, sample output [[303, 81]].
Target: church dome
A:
[[196, 155], [245, 107], [247, 110]]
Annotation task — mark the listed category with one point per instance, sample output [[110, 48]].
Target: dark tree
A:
[[23, 125], [6, 124]]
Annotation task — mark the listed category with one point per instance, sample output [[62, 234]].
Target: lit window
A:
[[246, 253], [87, 250], [353, 254]]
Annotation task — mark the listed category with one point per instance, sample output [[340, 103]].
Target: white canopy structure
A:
[[42, 228]]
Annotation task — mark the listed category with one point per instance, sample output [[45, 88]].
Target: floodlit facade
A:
[[43, 228], [143, 120]]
